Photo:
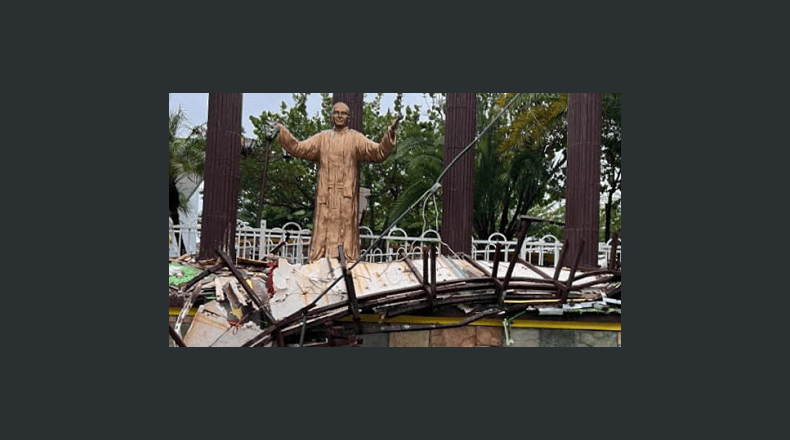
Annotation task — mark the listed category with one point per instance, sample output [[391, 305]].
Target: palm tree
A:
[[186, 157]]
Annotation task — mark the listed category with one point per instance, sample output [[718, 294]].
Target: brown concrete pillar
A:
[[221, 189], [458, 183], [582, 192]]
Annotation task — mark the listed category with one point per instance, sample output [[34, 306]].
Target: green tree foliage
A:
[[290, 183], [519, 163], [418, 162], [611, 157]]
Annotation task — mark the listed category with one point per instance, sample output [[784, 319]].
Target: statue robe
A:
[[338, 153]]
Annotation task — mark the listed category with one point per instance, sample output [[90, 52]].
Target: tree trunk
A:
[[458, 193], [221, 189], [584, 176]]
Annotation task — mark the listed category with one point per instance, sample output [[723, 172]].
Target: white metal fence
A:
[[254, 243]]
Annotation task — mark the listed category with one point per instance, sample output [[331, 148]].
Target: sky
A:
[[195, 105]]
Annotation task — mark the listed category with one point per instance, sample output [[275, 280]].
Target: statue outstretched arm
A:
[[308, 149], [373, 152]]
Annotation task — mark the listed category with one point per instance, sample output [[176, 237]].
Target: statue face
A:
[[340, 115]]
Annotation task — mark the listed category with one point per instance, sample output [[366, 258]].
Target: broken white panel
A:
[[296, 286], [211, 320], [237, 337], [370, 278]]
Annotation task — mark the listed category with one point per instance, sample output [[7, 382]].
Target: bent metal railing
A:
[[256, 243]]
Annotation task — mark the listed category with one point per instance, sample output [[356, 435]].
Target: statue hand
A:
[[272, 130], [394, 125]]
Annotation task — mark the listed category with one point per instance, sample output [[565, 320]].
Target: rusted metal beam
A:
[[421, 280], [322, 315], [479, 290], [266, 313], [534, 268], [281, 244], [476, 265], [497, 255], [176, 337], [522, 235], [569, 283], [352, 293], [558, 266], [495, 270]]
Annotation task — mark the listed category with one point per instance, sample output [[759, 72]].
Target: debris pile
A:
[[231, 298], [272, 302]]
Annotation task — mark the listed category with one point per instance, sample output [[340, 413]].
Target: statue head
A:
[[340, 115]]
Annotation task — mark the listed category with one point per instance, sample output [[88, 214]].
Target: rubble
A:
[[273, 302]]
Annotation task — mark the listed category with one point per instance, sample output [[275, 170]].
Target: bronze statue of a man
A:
[[338, 152]]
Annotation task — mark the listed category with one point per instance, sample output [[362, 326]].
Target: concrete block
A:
[[550, 337], [525, 337], [595, 338], [489, 336], [409, 339], [454, 337]]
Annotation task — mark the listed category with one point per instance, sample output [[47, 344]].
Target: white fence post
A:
[[256, 243]]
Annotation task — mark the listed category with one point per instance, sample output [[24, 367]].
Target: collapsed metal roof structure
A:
[[320, 304]]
